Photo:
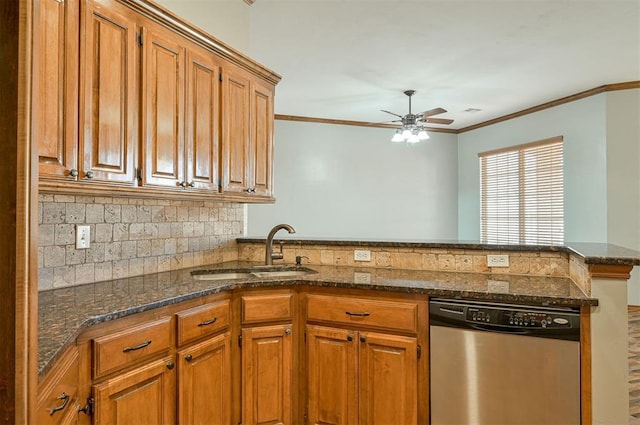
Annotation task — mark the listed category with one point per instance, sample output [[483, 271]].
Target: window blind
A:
[[522, 194]]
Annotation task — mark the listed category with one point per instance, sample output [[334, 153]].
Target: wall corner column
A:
[[609, 344]]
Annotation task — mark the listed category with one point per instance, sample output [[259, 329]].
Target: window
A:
[[522, 194]]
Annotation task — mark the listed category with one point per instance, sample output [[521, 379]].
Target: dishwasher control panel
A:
[[514, 317], [505, 317]]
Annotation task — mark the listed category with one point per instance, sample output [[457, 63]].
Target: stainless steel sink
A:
[[219, 275], [262, 272]]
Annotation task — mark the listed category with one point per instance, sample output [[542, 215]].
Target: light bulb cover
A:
[[406, 134], [413, 139], [397, 137], [423, 135]]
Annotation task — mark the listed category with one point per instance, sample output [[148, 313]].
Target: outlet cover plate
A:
[[361, 255], [498, 260]]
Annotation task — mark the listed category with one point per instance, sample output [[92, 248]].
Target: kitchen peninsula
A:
[[401, 276]]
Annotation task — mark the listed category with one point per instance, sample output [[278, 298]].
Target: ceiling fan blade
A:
[[438, 120], [432, 112], [399, 116]]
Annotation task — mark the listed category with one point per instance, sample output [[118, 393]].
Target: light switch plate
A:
[[83, 236]]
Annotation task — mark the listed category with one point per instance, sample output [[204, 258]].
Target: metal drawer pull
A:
[[65, 399], [358, 313], [208, 322], [136, 347]]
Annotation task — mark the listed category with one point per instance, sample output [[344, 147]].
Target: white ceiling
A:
[[347, 59]]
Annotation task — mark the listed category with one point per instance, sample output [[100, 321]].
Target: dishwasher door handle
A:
[[485, 328]]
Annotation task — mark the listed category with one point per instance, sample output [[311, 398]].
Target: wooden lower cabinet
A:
[[267, 363], [357, 377], [332, 365], [204, 382], [145, 395]]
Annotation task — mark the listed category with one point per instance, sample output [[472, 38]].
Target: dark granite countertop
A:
[[65, 312], [592, 253]]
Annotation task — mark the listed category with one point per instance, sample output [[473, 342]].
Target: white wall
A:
[[226, 20], [623, 176], [334, 181], [583, 125]]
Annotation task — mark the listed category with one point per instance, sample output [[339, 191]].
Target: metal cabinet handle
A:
[[363, 339], [208, 322], [192, 184], [182, 184], [73, 172], [287, 331], [65, 400], [358, 313], [349, 338], [171, 365], [136, 347], [188, 357], [89, 174]]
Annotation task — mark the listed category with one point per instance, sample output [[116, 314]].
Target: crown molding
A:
[[567, 99]]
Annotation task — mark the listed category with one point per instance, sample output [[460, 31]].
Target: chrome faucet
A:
[[269, 254]]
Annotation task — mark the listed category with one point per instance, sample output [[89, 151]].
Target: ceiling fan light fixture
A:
[[397, 136], [413, 125], [413, 138]]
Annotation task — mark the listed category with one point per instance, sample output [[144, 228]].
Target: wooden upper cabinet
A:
[[247, 133], [162, 107], [55, 105], [262, 138], [202, 119], [108, 93], [236, 96]]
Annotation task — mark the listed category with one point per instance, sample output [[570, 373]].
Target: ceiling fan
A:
[[413, 124]]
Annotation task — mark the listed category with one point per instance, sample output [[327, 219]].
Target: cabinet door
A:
[[162, 107], [261, 156], [236, 97], [267, 362], [388, 379], [145, 395], [109, 90], [56, 66], [204, 382], [332, 364], [202, 119]]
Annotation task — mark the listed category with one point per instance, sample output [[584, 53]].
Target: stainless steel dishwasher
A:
[[503, 364]]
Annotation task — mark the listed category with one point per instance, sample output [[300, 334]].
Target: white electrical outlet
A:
[[360, 277], [83, 236], [498, 260], [361, 255]]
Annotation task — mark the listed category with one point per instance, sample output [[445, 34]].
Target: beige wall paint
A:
[[623, 176], [226, 20]]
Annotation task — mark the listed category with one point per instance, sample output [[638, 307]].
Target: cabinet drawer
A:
[[125, 347], [202, 320], [58, 394], [382, 314], [267, 308]]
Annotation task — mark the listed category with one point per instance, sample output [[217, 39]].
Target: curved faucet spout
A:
[[269, 255]]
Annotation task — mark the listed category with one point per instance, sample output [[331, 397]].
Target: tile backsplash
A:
[[131, 237]]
